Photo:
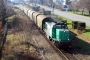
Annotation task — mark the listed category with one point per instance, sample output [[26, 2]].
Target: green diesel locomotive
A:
[[58, 33]]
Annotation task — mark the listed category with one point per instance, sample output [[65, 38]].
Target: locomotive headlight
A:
[[68, 39]]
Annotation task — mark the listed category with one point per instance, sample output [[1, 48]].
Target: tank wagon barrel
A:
[[41, 19], [31, 15], [26, 10], [35, 15], [29, 12]]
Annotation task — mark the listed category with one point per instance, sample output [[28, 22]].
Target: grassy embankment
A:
[[86, 14]]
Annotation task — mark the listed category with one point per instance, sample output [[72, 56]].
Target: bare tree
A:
[[87, 5], [82, 5], [74, 6], [2, 10]]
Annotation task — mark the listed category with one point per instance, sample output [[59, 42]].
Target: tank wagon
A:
[[57, 32]]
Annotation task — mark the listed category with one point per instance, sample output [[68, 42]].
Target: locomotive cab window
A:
[[45, 26]]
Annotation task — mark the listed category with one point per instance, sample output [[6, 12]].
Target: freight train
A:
[[57, 32]]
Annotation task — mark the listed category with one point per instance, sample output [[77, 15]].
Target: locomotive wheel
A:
[[54, 42], [50, 38]]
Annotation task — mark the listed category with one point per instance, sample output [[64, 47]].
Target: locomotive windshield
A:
[[61, 26]]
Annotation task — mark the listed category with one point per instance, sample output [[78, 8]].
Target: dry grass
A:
[[11, 18], [18, 42]]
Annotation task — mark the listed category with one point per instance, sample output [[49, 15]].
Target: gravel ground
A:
[[24, 42]]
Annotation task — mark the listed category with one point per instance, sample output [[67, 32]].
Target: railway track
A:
[[65, 54], [69, 55]]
